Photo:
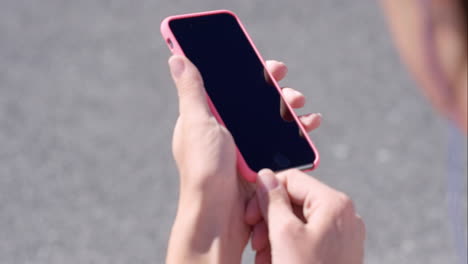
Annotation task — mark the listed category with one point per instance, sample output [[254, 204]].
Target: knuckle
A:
[[190, 87], [342, 212], [289, 228], [346, 221], [193, 78], [275, 196], [345, 204]]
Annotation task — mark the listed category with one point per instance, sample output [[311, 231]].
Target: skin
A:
[[298, 219], [209, 226], [292, 217]]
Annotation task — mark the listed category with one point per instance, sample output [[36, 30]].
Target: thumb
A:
[[190, 88], [274, 202]]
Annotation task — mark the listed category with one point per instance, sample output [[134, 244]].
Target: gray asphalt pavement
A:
[[87, 110]]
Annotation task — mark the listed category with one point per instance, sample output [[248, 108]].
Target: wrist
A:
[[200, 236], [198, 240]]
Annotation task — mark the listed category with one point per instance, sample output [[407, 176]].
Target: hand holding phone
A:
[[205, 155], [241, 93]]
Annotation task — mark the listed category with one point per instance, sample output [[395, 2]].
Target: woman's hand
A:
[[210, 226], [298, 219]]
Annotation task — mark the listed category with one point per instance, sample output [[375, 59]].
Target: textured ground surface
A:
[[87, 110]]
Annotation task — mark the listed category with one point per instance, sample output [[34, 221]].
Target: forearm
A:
[[196, 239], [185, 250]]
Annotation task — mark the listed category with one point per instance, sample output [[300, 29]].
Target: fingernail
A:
[[266, 180], [297, 93], [177, 66], [320, 115]]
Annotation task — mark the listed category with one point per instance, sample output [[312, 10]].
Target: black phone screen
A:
[[235, 81]]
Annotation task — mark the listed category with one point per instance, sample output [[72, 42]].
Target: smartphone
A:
[[241, 93]]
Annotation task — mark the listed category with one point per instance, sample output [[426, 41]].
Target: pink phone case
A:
[[168, 36]]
